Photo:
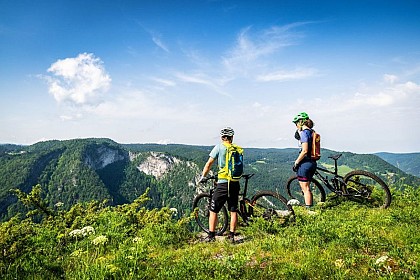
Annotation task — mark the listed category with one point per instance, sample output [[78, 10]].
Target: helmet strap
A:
[[300, 123]]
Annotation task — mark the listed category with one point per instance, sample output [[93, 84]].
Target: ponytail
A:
[[309, 123]]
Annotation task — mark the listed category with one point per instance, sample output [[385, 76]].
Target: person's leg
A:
[[212, 221], [233, 221], [305, 174], [233, 208], [305, 186], [216, 204]]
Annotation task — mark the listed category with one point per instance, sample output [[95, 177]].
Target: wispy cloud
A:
[[392, 95], [202, 79], [283, 75], [390, 78], [71, 117], [156, 38], [164, 82], [78, 80], [195, 78], [252, 57], [251, 46]]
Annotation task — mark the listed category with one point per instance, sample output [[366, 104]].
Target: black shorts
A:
[[220, 196]]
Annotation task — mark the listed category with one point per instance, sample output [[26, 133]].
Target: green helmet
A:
[[300, 116]]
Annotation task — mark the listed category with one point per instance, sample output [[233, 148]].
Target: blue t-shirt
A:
[[306, 137], [219, 152]]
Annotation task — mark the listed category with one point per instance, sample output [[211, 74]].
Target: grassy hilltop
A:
[[93, 241]]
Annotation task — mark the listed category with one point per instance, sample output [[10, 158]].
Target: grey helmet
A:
[[227, 131]]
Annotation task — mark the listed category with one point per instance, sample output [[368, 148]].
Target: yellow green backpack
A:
[[234, 164]]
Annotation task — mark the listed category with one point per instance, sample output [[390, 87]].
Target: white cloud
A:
[[372, 119], [254, 52], [215, 85], [78, 80], [158, 41], [194, 78], [398, 94], [156, 37], [165, 142], [247, 50], [71, 117], [390, 78], [374, 100], [164, 82], [283, 75], [142, 106]]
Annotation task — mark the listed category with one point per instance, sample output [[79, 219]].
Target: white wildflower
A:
[[76, 233], [382, 260], [293, 202], [283, 213], [100, 240], [136, 239], [59, 204], [174, 211], [88, 230]]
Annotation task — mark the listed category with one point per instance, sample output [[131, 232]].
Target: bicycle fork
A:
[[243, 212]]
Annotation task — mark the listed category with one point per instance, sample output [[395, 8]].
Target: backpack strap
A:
[[308, 154]]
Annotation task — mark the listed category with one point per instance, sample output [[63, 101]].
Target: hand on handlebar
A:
[[295, 167], [202, 180]]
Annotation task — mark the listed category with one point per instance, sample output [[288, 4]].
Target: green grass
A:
[[344, 241], [342, 169]]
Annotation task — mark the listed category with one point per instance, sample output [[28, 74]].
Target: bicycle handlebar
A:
[[205, 179], [214, 177]]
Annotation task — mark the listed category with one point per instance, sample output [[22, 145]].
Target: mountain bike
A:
[[266, 204], [357, 185]]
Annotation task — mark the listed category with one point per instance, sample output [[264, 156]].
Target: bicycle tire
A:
[[202, 202], [269, 205], [367, 188], [295, 192]]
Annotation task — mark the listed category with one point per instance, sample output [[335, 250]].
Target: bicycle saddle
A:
[[335, 157]]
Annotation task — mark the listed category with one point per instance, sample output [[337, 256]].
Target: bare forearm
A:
[[207, 167], [302, 153]]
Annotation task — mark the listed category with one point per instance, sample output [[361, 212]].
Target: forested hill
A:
[[71, 171], [409, 162]]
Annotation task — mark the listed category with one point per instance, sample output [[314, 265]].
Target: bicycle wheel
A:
[[202, 202], [269, 205], [295, 192], [367, 188]]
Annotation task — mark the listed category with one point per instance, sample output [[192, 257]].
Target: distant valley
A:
[[407, 162]]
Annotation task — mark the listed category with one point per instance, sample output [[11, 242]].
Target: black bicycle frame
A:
[[243, 211], [336, 180]]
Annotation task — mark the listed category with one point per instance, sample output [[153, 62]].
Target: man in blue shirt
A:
[[225, 191]]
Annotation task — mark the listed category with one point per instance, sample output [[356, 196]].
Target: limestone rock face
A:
[[102, 156], [158, 164]]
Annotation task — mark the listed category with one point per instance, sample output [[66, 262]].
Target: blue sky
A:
[[179, 71]]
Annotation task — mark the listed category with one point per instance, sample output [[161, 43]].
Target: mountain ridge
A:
[[408, 162], [78, 170]]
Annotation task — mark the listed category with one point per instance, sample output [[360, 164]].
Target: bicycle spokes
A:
[[269, 205], [202, 203], [367, 188], [294, 191]]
